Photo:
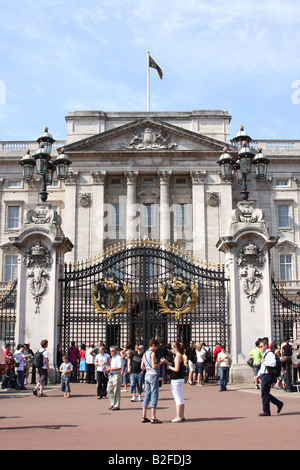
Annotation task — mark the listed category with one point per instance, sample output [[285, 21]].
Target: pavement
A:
[[214, 421]]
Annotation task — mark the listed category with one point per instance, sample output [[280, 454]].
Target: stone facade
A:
[[153, 175]]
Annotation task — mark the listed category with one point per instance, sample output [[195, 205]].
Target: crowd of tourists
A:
[[288, 353], [138, 369], [143, 370]]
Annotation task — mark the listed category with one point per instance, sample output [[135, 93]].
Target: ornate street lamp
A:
[[226, 162], [242, 165], [44, 167]]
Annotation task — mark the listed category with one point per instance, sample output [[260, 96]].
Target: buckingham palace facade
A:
[[154, 175]]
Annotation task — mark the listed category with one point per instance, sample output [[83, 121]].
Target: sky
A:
[[68, 55]]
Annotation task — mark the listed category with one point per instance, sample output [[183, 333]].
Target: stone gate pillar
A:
[[247, 263], [42, 246]]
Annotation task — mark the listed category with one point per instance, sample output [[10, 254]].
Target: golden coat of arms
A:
[[111, 296], [177, 296]]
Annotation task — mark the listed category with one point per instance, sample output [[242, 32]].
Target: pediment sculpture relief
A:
[[148, 139]]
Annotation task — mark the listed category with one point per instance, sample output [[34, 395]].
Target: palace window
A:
[[13, 213], [181, 215], [11, 267], [285, 267], [115, 215], [283, 216], [148, 215]]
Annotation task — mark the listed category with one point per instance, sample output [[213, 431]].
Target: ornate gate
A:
[[143, 290], [286, 314], [8, 313]]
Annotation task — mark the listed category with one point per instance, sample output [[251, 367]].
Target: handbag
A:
[[250, 362]]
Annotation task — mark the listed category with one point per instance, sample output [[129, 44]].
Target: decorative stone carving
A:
[[250, 258], [198, 176], [297, 181], [72, 177], [164, 176], [37, 259], [212, 199], [84, 199], [33, 184], [43, 214], [98, 177], [131, 177], [247, 214], [150, 140]]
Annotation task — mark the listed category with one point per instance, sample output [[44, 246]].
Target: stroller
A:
[[10, 379]]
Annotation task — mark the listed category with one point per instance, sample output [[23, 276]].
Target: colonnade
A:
[[93, 228]]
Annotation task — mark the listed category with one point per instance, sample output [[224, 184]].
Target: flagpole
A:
[[148, 82]]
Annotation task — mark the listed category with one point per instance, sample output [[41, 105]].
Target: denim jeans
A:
[[224, 376], [256, 368], [136, 382], [20, 379], [151, 390], [65, 383], [126, 378]]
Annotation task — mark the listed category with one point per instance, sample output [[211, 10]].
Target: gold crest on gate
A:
[[177, 296], [111, 296]]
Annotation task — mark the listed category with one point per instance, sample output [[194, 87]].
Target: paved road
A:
[[214, 420]]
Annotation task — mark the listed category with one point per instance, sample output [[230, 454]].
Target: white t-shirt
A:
[[45, 354], [222, 356], [18, 355], [103, 361], [90, 359], [200, 355]]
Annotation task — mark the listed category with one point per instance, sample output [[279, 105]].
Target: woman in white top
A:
[[151, 381], [102, 360], [200, 353]]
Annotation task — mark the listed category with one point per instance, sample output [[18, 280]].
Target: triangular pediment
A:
[[147, 135]]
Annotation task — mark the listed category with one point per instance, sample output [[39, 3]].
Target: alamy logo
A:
[[296, 94], [2, 92]]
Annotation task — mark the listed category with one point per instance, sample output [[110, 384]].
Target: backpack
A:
[[38, 359], [276, 370], [208, 355]]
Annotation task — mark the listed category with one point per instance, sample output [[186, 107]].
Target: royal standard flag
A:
[[154, 65]]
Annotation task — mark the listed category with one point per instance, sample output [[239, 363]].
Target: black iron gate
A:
[[141, 291], [286, 314], [8, 313]]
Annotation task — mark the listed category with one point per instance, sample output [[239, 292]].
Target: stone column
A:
[[247, 261], [199, 214], [70, 215], [164, 208], [131, 207], [42, 246], [97, 229]]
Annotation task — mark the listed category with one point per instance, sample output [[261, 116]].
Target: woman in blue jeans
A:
[[151, 381]]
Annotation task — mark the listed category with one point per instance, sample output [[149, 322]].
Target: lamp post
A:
[[44, 167], [242, 164]]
